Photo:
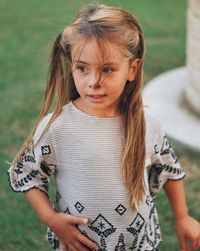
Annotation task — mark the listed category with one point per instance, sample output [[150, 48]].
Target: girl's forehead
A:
[[94, 52]]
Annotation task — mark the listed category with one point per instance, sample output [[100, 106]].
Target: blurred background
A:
[[28, 29]]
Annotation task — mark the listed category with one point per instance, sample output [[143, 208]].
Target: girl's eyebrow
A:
[[80, 61], [106, 63], [111, 63]]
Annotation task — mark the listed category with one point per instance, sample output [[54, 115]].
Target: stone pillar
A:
[[192, 89]]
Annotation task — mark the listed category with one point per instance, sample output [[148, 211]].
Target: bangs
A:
[[104, 47]]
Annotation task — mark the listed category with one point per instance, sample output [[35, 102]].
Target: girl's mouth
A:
[[96, 97]]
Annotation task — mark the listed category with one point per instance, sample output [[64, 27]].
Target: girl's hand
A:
[[188, 228], [64, 226]]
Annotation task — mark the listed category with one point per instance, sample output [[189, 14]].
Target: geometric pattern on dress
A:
[[165, 146], [148, 200], [172, 169], [141, 242], [153, 232], [174, 156], [120, 245], [27, 157], [136, 225], [156, 150], [45, 150], [167, 149], [135, 229], [103, 228], [79, 207], [52, 239], [23, 181], [120, 209], [46, 168], [67, 211], [158, 169]]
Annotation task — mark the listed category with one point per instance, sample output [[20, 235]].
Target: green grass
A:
[[28, 29]]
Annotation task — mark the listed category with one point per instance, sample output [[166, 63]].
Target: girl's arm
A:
[[63, 225], [186, 226], [41, 204]]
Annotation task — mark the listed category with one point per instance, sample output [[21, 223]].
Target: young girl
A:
[[106, 150]]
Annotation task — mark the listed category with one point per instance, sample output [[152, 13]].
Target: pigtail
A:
[[56, 85], [131, 106], [134, 155]]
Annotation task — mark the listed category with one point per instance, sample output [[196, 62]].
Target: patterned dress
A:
[[83, 152]]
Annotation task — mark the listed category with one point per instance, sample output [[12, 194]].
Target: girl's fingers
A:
[[79, 247], [87, 242], [193, 246], [77, 220], [76, 246], [79, 242], [182, 244], [198, 243], [195, 242]]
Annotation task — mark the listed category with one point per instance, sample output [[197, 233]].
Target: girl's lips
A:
[[97, 97]]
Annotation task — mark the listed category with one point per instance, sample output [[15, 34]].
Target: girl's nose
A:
[[95, 85], [94, 81]]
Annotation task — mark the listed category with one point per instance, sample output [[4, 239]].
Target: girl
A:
[[106, 150]]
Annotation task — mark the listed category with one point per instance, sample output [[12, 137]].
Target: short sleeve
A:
[[164, 161], [35, 166]]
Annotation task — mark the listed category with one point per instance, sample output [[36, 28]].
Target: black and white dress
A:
[[84, 153]]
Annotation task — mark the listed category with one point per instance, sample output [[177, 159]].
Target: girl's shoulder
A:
[[41, 126], [151, 117], [55, 125], [154, 128]]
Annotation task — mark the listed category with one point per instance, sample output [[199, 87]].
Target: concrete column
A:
[[192, 88]]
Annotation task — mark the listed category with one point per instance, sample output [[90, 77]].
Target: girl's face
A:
[[100, 77]]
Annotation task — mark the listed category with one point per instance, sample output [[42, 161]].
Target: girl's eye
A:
[[107, 69], [81, 68]]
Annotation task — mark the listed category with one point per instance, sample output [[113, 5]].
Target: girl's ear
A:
[[133, 69]]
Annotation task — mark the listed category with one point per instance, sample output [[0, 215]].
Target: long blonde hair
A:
[[103, 23]]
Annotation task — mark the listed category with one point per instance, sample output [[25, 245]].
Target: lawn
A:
[[28, 29]]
